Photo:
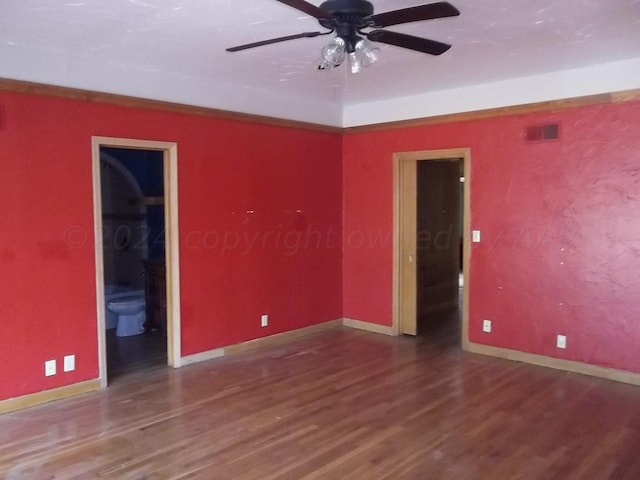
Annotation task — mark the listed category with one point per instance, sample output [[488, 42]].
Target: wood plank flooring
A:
[[341, 404]]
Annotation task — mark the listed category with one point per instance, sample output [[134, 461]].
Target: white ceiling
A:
[[175, 50]]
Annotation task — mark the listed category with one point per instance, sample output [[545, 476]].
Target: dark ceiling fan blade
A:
[[413, 14], [409, 41], [307, 8], [275, 40]]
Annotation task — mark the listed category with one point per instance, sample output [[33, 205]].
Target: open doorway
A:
[[432, 227], [133, 255], [135, 212], [439, 240]]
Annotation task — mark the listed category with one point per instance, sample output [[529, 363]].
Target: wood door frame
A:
[[172, 252], [404, 236]]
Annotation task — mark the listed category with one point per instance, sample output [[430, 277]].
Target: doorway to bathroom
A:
[[135, 220]]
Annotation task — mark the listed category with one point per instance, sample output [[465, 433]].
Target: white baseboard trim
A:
[[368, 326], [202, 356]]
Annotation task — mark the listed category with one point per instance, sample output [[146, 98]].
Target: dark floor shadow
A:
[[132, 354], [443, 328]]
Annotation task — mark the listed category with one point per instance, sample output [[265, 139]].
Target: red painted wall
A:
[[282, 258], [560, 225], [264, 211]]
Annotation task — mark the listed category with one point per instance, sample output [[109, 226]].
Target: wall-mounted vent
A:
[[537, 133]]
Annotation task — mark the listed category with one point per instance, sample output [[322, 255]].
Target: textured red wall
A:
[[560, 251], [286, 261], [559, 221]]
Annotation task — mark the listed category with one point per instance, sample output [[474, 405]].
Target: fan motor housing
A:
[[346, 12]]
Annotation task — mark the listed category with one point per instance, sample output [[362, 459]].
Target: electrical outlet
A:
[[69, 363], [486, 326], [49, 368], [561, 341], [264, 320], [475, 236]]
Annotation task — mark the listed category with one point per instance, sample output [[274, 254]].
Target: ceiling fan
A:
[[348, 18]]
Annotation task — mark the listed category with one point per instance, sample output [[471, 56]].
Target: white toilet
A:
[[125, 312]]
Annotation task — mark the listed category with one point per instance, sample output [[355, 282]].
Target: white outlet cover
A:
[[561, 341], [69, 363], [486, 326], [475, 236], [49, 368], [264, 320]]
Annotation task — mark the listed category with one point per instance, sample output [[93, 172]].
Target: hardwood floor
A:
[[342, 404]]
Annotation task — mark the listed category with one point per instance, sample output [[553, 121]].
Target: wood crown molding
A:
[[32, 88], [590, 100]]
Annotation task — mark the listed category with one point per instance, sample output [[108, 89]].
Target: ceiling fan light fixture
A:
[[368, 53], [359, 50], [355, 62], [332, 54]]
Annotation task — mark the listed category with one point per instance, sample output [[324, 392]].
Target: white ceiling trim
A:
[[604, 78]]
